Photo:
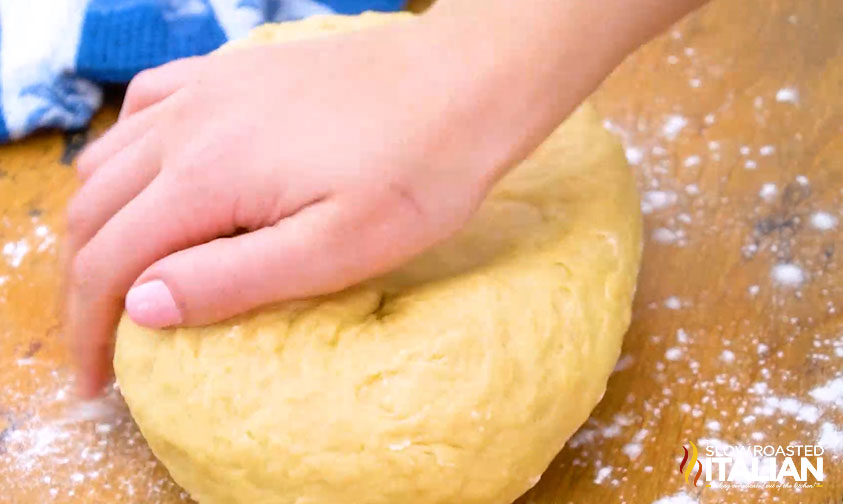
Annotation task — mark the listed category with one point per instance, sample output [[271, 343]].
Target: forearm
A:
[[534, 61]]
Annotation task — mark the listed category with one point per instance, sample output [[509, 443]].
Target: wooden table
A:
[[733, 121]]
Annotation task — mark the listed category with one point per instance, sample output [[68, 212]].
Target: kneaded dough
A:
[[455, 379]]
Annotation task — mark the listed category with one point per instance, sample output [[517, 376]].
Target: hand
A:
[[270, 173], [278, 172]]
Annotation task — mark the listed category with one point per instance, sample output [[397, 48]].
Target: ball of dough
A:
[[455, 379]]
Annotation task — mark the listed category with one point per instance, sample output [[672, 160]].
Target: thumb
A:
[[298, 257]]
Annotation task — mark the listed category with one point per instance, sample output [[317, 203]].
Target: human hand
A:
[[270, 173], [290, 170]]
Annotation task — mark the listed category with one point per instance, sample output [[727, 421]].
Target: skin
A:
[[239, 179]]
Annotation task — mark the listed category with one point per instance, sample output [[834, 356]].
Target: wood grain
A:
[[719, 351]]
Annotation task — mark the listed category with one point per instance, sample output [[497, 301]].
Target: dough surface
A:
[[455, 379]]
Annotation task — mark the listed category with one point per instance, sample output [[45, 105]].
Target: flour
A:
[[789, 406], [831, 393], [673, 354], [788, 275], [766, 150], [15, 251], [673, 124], [689, 168], [634, 155], [652, 201], [691, 161], [602, 474], [823, 221], [768, 192], [692, 189], [59, 446], [673, 303], [831, 438], [665, 236], [787, 95]]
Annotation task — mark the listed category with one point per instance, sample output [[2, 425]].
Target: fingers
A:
[[154, 224], [110, 188], [306, 254], [113, 141], [153, 85], [147, 89]]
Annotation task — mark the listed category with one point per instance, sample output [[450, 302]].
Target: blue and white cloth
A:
[[54, 53]]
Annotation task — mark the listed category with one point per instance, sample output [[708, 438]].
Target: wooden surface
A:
[[733, 121]]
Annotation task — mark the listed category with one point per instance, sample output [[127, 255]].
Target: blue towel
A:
[[55, 53]]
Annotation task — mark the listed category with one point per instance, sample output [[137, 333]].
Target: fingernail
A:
[[152, 305]]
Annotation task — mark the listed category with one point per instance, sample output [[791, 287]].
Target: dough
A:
[[455, 379]]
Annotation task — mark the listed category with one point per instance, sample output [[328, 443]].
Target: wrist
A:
[[515, 84], [526, 65]]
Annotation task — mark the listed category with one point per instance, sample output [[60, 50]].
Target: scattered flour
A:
[[823, 221], [15, 252], [602, 474], [657, 200], [787, 274], [673, 354], [665, 236], [673, 125], [634, 155], [768, 192], [790, 406], [831, 392], [727, 356], [632, 450], [766, 150], [673, 303], [830, 438], [691, 161], [787, 95]]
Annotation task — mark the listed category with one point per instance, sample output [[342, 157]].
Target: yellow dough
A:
[[454, 380]]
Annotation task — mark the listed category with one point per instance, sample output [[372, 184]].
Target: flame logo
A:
[[687, 466]]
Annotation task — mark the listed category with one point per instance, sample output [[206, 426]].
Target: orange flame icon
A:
[[686, 466]]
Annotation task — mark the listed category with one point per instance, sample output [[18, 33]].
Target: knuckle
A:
[[139, 88], [85, 160], [140, 84]]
